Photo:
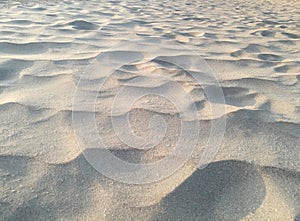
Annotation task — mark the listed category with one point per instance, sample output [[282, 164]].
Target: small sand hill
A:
[[251, 46]]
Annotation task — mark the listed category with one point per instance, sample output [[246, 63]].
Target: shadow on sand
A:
[[225, 190]]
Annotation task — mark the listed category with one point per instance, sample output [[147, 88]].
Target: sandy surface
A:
[[253, 48]]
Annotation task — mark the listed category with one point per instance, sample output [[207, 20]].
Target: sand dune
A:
[[46, 52], [225, 190]]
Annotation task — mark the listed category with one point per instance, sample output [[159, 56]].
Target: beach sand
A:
[[252, 47]]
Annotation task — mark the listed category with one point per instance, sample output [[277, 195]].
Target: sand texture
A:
[[252, 47]]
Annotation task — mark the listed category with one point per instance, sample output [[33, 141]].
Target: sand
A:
[[47, 53]]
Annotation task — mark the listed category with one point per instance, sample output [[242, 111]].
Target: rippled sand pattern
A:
[[253, 47]]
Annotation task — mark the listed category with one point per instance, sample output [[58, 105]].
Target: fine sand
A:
[[252, 47]]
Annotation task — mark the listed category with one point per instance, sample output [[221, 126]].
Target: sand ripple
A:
[[252, 47]]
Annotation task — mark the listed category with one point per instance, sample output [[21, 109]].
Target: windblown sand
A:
[[253, 47]]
